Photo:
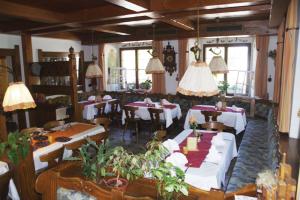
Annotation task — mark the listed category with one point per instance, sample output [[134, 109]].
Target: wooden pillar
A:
[[73, 84], [82, 70], [101, 63], [3, 86]]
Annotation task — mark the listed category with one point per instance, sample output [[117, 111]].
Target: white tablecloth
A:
[[237, 120], [210, 175], [168, 114], [67, 153], [12, 190], [90, 110]]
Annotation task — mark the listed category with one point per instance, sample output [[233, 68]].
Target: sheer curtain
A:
[[261, 70], [158, 80], [288, 66]]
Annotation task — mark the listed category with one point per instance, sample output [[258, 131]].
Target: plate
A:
[[40, 137], [62, 139]]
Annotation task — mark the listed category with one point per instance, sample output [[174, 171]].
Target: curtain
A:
[[288, 66], [158, 80], [101, 63], [278, 62], [183, 57], [261, 70]]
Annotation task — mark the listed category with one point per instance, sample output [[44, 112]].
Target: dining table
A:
[[90, 110], [12, 190], [231, 116], [201, 172], [74, 131], [170, 111]]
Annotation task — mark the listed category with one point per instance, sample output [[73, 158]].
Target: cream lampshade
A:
[[198, 81], [93, 71], [218, 65], [154, 66], [17, 96]]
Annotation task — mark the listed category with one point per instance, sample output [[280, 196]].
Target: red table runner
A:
[[141, 104], [210, 108], [169, 106], [195, 158]]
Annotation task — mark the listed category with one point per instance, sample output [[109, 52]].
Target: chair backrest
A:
[[104, 121], [30, 130], [52, 156], [114, 105], [101, 108], [53, 124], [211, 114], [214, 126], [160, 135], [154, 114], [4, 184], [74, 146], [130, 112], [98, 138]]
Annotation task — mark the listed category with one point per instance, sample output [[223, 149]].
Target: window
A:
[[237, 57], [133, 63]]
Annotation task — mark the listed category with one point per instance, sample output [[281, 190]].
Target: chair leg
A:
[[137, 132], [125, 128]]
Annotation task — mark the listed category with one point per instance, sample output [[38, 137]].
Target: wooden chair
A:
[[4, 184], [214, 126], [160, 135], [101, 109], [155, 118], [211, 115], [114, 113], [104, 121], [131, 119], [52, 156], [30, 130], [99, 138], [74, 146], [53, 124]]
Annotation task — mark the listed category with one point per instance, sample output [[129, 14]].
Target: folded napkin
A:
[[219, 105], [3, 167], [177, 159], [148, 100], [92, 98], [171, 145], [107, 97], [213, 155], [165, 102], [218, 142]]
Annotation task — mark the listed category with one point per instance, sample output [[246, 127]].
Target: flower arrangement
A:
[[266, 179], [193, 123]]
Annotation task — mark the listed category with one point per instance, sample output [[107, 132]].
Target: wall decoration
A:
[[170, 59]]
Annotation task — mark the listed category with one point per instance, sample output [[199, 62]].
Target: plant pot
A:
[[112, 183]]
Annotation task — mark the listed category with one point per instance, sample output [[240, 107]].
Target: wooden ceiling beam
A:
[[278, 12], [184, 24], [133, 5], [30, 13], [118, 30]]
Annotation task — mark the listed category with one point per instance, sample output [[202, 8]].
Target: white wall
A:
[[171, 82], [271, 66]]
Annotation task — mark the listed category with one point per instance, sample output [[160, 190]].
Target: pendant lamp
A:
[[154, 65], [217, 64], [93, 70], [197, 79]]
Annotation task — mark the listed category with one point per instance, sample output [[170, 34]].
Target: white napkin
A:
[[165, 102], [213, 155], [147, 100], [218, 141], [107, 97], [177, 159], [3, 167], [219, 104], [171, 145], [242, 197], [92, 98]]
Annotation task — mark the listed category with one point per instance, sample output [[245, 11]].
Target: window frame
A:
[[248, 45], [137, 84]]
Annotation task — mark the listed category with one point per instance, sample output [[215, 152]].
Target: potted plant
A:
[[146, 84], [223, 86], [17, 146], [170, 181]]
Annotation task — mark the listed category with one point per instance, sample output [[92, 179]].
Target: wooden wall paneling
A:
[[81, 78], [73, 84], [3, 86]]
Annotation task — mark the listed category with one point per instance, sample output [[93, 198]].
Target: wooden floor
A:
[[292, 148]]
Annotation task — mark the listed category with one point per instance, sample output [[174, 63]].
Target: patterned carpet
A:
[[253, 151]]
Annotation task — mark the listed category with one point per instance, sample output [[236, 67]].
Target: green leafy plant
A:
[[170, 181], [146, 85], [223, 86], [17, 146]]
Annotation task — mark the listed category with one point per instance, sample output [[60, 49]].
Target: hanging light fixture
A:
[[198, 79], [217, 64], [93, 70], [154, 65]]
